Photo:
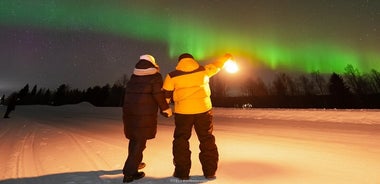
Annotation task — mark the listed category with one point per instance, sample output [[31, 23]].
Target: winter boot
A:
[[136, 176]]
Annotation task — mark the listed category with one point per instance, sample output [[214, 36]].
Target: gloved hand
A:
[[227, 56], [167, 113], [220, 62]]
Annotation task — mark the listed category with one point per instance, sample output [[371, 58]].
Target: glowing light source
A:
[[230, 66]]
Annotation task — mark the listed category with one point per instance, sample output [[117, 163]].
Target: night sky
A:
[[87, 43]]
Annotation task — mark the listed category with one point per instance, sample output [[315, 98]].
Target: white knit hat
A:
[[149, 58]]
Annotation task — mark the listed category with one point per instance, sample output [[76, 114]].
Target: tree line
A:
[[102, 96], [351, 89]]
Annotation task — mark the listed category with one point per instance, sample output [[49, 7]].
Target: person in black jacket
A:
[[143, 97]]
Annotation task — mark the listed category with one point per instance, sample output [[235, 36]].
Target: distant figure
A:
[[2, 100], [11, 104], [188, 86], [143, 97]]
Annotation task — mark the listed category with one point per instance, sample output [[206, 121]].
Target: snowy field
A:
[[85, 144]]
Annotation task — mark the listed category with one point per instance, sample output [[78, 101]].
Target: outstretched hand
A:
[[227, 56]]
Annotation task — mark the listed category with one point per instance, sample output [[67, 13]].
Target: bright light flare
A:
[[230, 66]]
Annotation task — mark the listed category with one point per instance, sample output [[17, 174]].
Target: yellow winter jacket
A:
[[189, 86]]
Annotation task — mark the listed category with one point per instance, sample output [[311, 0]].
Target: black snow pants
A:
[[208, 156], [135, 156]]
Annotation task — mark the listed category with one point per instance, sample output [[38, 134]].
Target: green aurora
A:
[[190, 33]]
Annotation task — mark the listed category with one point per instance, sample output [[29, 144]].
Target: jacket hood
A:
[[144, 64], [145, 67], [149, 58], [187, 65]]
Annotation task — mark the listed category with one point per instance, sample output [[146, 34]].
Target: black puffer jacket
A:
[[143, 97]]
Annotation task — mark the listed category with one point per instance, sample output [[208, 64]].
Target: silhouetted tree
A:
[[218, 86], [252, 87], [339, 91], [283, 85], [260, 87], [60, 96], [375, 78], [34, 91], [320, 82], [122, 81], [368, 84], [47, 99], [337, 86], [97, 95], [23, 93], [39, 96], [31, 97], [247, 87], [306, 85], [103, 95], [74, 96], [356, 81], [90, 94], [116, 96]]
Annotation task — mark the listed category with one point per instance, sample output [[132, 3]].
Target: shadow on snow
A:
[[97, 177]]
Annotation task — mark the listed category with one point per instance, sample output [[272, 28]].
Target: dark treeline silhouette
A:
[[98, 96], [348, 90]]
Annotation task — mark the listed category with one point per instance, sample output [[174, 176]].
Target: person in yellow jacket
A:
[[188, 86]]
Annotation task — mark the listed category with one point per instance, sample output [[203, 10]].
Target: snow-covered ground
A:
[[85, 144]]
